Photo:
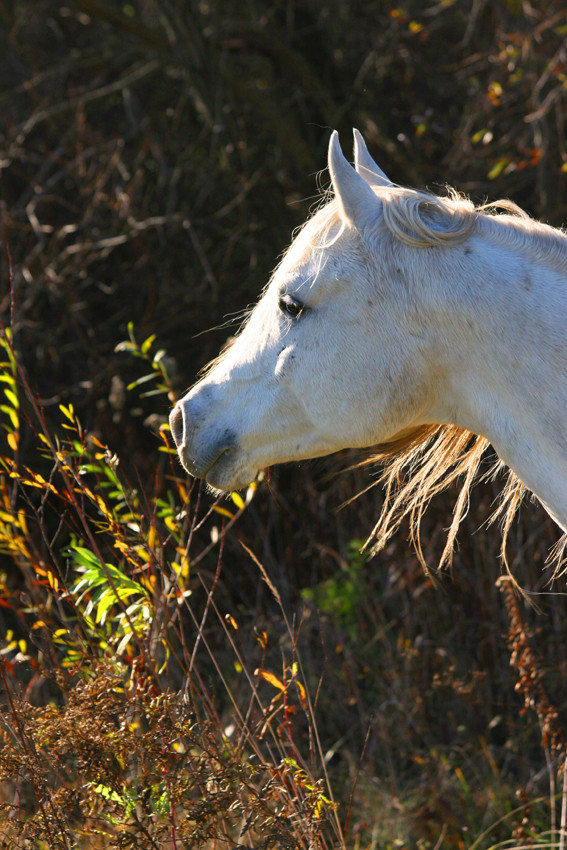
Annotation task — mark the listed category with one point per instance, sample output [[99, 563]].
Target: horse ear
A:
[[357, 201], [365, 165]]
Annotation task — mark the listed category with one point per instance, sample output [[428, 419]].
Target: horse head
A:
[[324, 361]]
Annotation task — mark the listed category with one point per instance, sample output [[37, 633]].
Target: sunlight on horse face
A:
[[320, 365]]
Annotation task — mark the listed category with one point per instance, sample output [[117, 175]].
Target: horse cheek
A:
[[285, 363]]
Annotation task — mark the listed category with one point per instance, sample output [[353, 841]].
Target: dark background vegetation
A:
[[155, 158]]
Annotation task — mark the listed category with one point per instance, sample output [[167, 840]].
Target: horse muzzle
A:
[[206, 451]]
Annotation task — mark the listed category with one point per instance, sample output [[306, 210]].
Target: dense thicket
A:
[[155, 158]]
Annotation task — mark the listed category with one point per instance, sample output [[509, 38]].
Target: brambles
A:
[[118, 768]]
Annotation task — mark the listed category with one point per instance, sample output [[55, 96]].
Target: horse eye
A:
[[290, 306]]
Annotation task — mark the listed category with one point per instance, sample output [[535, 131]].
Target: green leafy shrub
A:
[[129, 749]]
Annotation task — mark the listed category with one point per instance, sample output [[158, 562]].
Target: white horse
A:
[[398, 319]]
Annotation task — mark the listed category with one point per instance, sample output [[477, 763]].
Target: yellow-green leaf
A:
[[269, 677], [68, 412], [147, 343], [12, 397], [237, 499]]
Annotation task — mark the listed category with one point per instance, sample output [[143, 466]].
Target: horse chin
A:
[[228, 473]]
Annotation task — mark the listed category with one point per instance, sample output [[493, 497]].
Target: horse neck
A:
[[499, 357]]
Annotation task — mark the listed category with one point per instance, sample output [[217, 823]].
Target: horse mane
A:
[[422, 464], [421, 219]]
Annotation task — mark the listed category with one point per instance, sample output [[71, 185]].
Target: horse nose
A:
[[200, 440], [177, 425]]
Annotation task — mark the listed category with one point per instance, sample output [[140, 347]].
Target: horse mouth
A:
[[215, 464], [225, 474]]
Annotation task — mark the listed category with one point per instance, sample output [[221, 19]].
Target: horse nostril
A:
[[176, 425]]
